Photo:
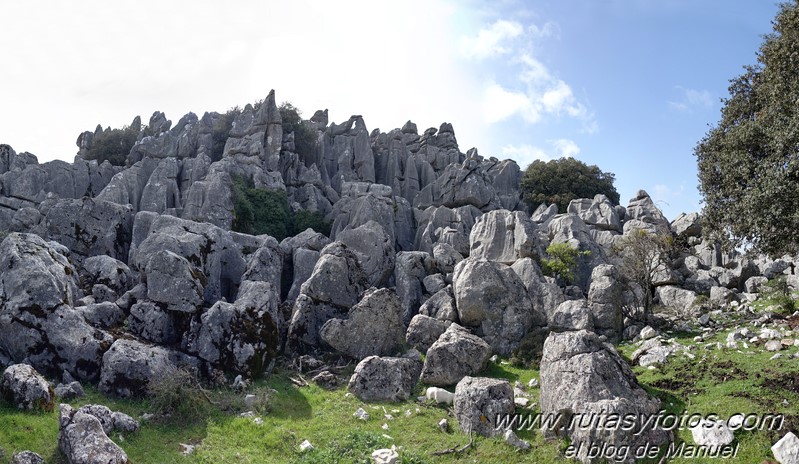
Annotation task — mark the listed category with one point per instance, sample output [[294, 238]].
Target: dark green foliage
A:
[[643, 256], [304, 219], [563, 180], [749, 163], [306, 140], [260, 211], [113, 145], [221, 132], [779, 293]]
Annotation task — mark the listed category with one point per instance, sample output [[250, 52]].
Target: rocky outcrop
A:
[[504, 236], [37, 321], [83, 441], [580, 376], [372, 327], [598, 212], [491, 298]]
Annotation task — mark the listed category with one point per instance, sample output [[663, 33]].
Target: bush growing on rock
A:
[[113, 145], [643, 256], [306, 140], [563, 180], [562, 261]]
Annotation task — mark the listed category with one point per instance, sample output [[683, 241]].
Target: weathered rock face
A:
[[642, 208], [409, 273], [464, 184], [491, 297], [23, 387], [37, 321], [455, 354], [478, 402], [88, 227], [676, 298], [172, 281], [598, 212], [441, 306], [373, 326], [374, 249], [384, 379], [423, 331], [217, 254], [544, 293], [581, 375], [570, 229], [504, 236], [451, 226], [606, 300], [335, 285], [129, 366], [27, 457], [572, 315], [82, 440], [687, 225], [242, 337], [107, 271]]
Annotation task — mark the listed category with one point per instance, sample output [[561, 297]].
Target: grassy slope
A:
[[716, 381]]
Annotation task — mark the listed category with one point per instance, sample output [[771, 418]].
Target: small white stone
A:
[[786, 451], [361, 414], [186, 449], [385, 456], [384, 426], [712, 433], [515, 441], [306, 446], [443, 425], [532, 383]]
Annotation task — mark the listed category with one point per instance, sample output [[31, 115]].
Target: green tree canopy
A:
[[113, 145], [749, 163], [305, 136], [563, 180]]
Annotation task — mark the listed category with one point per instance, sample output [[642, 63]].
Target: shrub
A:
[[779, 294], [562, 263], [177, 395], [644, 256], [260, 211], [113, 145], [221, 132], [306, 139], [563, 180]]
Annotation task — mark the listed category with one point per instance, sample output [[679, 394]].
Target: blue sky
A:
[[628, 85]]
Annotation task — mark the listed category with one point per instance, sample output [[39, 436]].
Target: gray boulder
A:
[[598, 212], [373, 326], [676, 298], [27, 457], [105, 270], [83, 441], [104, 315], [87, 226], [24, 388], [172, 281], [544, 292], [37, 321], [152, 322], [606, 298], [687, 225], [409, 273], [242, 337], [374, 249], [335, 285], [423, 331], [384, 379], [446, 257], [441, 306], [491, 297], [504, 236], [446, 225], [643, 209], [572, 315], [455, 354], [581, 375], [129, 366], [478, 403]]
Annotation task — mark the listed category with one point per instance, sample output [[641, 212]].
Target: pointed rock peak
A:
[[268, 112], [136, 124], [446, 128], [640, 195], [410, 128], [472, 153], [320, 117]]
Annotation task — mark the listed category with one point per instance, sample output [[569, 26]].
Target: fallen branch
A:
[[455, 449]]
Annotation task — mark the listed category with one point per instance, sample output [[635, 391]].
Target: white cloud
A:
[[525, 154], [691, 99], [539, 94], [491, 41]]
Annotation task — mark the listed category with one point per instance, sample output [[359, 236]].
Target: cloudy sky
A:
[[628, 85]]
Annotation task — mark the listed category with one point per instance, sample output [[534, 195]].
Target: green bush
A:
[[563, 180], [260, 211], [779, 294], [113, 145], [306, 140], [562, 262], [221, 132]]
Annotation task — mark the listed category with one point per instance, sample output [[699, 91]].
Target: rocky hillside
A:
[[115, 275]]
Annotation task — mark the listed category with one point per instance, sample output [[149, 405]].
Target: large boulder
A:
[[372, 327], [23, 387], [687, 225], [129, 366], [411, 269], [87, 226], [242, 337], [455, 354], [83, 441], [384, 379], [174, 282], [38, 324], [642, 208], [504, 236], [107, 271], [423, 331], [374, 249], [544, 292], [581, 376], [676, 298], [491, 298], [479, 401], [446, 225], [598, 212], [606, 298], [572, 315], [335, 286]]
